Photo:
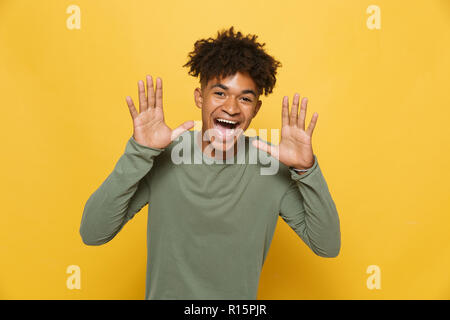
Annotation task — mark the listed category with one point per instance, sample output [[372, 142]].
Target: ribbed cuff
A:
[[147, 152]]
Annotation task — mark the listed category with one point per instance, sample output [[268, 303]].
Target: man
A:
[[210, 225]]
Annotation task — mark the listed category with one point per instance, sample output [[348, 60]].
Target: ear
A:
[[198, 98], [258, 105]]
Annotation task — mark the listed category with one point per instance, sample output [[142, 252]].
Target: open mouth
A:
[[226, 128]]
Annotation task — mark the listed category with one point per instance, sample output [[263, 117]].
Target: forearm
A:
[[312, 212], [107, 209]]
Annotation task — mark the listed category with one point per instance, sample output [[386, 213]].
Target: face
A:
[[228, 106]]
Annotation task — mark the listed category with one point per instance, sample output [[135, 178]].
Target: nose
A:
[[231, 107]]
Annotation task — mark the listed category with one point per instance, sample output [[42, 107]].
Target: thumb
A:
[[272, 150], [180, 129]]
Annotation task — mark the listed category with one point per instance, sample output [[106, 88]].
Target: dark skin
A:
[[233, 98], [149, 127], [230, 98]]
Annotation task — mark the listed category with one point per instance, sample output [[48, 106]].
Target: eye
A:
[[218, 92], [247, 99]]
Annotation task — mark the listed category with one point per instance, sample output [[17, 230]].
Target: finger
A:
[[285, 112], [150, 92], [159, 95], [294, 110], [131, 108], [272, 150], [302, 115], [182, 128], [312, 124], [142, 97]]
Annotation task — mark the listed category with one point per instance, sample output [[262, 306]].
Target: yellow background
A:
[[382, 136]]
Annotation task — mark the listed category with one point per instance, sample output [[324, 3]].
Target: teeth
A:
[[226, 121]]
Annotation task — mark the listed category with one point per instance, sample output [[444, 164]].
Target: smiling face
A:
[[228, 106]]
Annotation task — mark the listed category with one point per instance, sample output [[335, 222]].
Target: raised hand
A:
[[295, 148], [149, 128]]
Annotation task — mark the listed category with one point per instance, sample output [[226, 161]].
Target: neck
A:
[[208, 149]]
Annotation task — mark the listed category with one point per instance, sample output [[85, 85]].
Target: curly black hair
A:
[[229, 53]]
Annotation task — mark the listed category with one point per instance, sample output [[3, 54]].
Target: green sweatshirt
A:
[[210, 226]]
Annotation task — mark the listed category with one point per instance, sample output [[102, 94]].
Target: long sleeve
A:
[[120, 196], [307, 207]]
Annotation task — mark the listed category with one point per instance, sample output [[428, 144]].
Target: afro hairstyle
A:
[[229, 53]]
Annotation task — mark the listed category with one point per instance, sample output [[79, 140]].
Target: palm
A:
[[149, 127], [295, 148]]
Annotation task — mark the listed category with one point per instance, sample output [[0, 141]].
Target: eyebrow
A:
[[224, 87]]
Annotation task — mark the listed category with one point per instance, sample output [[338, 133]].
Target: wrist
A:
[[300, 169]]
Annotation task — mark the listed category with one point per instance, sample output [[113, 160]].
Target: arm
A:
[[308, 208], [307, 205], [124, 192]]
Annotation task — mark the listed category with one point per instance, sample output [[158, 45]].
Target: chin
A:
[[223, 142]]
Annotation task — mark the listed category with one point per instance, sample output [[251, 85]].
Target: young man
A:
[[211, 222]]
